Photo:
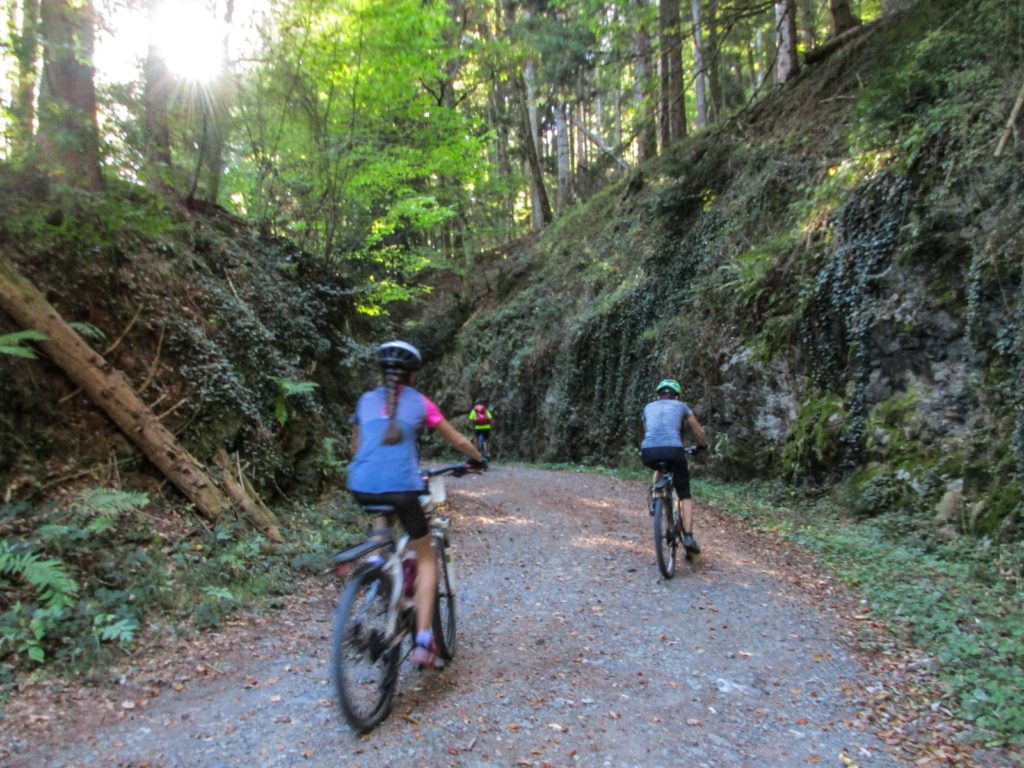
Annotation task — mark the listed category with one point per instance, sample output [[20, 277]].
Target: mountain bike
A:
[[376, 613], [668, 532]]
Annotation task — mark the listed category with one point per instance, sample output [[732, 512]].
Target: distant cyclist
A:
[[481, 418], [385, 469], [664, 421]]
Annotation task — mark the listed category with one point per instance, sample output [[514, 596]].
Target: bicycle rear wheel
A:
[[444, 601], [665, 540], [363, 660]]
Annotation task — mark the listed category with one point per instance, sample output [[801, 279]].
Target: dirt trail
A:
[[572, 651]]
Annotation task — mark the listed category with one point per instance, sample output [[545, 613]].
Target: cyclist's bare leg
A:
[[426, 581], [686, 507]]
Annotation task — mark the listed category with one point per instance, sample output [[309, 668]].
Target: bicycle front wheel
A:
[[364, 658], [444, 601], [665, 541]]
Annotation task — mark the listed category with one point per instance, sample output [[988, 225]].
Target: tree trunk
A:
[[108, 388], [674, 100], [843, 19], [541, 208], [157, 85], [700, 80], [68, 132], [243, 494], [220, 113], [500, 120], [564, 170], [646, 126], [711, 63], [23, 105], [808, 15], [786, 64]]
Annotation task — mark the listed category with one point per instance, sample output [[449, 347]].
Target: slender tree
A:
[[786, 63], [673, 102], [68, 136], [842, 16], [700, 75], [156, 94], [25, 45], [712, 61], [562, 143], [645, 104], [218, 116]]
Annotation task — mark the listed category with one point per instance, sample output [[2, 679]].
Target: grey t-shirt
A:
[[663, 423]]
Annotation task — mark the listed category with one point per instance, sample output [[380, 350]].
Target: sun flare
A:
[[189, 38]]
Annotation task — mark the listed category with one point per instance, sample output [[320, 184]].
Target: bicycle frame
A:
[[383, 576], [398, 548]]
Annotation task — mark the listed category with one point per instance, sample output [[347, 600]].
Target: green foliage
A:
[[960, 602], [367, 157], [102, 507], [332, 463], [89, 331], [71, 590], [50, 592], [813, 448], [13, 343], [289, 389]]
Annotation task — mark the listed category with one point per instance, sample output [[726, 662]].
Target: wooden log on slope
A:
[[108, 388]]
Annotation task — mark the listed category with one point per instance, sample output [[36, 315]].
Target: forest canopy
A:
[[387, 133]]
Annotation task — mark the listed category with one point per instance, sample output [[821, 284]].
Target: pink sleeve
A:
[[434, 415]]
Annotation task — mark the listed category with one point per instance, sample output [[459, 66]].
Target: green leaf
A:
[[11, 343], [89, 331]]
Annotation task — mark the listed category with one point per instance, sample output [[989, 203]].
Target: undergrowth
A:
[[82, 582], [959, 601]]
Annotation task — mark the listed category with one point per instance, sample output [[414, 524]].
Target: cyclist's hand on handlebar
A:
[[476, 466]]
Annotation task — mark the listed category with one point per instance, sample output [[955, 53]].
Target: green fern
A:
[[108, 628], [11, 343], [286, 389], [89, 331], [105, 506], [47, 578], [219, 593]]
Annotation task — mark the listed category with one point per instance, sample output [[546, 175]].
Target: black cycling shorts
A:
[[675, 457], [407, 506]]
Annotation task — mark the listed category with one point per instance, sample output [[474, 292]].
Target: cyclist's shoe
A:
[[690, 544], [426, 655]]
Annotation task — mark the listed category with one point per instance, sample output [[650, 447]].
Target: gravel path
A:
[[572, 651]]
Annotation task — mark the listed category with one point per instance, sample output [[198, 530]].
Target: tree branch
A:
[[1011, 124]]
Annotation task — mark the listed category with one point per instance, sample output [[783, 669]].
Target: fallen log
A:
[[822, 51], [239, 489], [109, 389]]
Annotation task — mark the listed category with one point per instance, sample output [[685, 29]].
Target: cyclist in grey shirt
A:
[[664, 420]]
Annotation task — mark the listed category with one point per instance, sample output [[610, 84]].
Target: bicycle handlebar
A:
[[456, 470]]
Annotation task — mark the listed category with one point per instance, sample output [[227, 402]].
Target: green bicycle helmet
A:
[[669, 385]]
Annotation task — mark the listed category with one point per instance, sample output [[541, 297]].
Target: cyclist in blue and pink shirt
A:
[[385, 468]]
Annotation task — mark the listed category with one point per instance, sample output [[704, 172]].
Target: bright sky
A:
[[189, 33]]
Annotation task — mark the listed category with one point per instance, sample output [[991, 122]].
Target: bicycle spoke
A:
[[664, 546], [365, 657]]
